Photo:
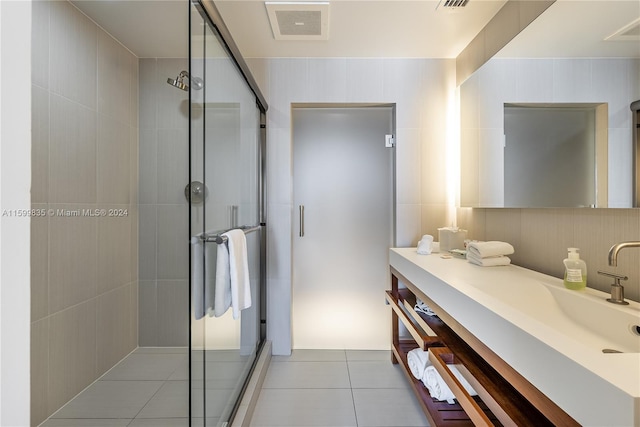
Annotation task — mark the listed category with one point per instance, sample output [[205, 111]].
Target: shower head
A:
[[179, 82]]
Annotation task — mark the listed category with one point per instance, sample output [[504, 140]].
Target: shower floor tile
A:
[[147, 366], [135, 392], [110, 399]]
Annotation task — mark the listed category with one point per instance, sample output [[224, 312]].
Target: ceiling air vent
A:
[[299, 20], [452, 4]]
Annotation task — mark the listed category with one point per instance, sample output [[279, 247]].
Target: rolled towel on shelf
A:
[[438, 389], [421, 307], [489, 249], [494, 261], [418, 360]]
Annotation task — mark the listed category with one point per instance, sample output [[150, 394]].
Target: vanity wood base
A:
[[498, 402]]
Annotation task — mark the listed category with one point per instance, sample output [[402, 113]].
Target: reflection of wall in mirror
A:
[[482, 97]]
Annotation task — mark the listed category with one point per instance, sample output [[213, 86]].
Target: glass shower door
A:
[[225, 194]]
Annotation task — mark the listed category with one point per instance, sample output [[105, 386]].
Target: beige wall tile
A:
[[114, 78], [432, 218], [39, 370], [113, 320], [173, 165], [72, 152], [114, 169], [134, 316], [408, 179], [472, 220], [173, 316], [114, 250], [408, 220], [72, 258], [504, 225], [133, 165], [39, 264], [73, 54], [72, 352], [173, 242], [546, 235], [134, 99], [39, 145], [147, 313], [433, 166], [40, 43]]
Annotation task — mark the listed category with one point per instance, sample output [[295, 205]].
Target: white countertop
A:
[[515, 312]]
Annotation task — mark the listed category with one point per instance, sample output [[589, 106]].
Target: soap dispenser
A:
[[575, 273]]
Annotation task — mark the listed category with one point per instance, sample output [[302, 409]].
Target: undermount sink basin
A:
[[583, 316], [601, 324]]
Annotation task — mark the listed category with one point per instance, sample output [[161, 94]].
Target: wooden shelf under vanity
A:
[[498, 402]]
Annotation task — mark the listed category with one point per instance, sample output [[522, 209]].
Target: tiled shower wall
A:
[[164, 215], [84, 291]]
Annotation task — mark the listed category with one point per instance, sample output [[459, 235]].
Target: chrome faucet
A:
[[617, 290], [613, 252]]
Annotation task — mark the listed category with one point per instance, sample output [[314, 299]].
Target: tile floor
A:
[[150, 388], [332, 388], [328, 388]]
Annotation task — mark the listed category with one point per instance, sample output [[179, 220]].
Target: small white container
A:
[[451, 238]]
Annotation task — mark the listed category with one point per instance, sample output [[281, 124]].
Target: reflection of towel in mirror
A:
[[438, 389], [238, 271], [418, 360]]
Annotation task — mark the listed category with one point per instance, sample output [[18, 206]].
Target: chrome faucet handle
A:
[[617, 290], [616, 277]]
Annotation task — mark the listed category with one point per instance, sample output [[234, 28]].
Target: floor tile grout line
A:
[[353, 399]]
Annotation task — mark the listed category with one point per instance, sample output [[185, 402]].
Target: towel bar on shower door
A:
[[217, 236]]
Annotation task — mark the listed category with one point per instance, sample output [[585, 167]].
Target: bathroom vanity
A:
[[531, 349]]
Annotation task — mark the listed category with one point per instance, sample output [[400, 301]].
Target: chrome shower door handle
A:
[[301, 208]]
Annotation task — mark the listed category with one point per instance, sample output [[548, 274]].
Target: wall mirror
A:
[[579, 52]]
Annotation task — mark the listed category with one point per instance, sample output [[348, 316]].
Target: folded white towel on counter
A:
[[493, 261], [438, 389], [421, 307], [418, 360], [489, 249]]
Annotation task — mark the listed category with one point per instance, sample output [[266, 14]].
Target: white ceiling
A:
[[364, 28]]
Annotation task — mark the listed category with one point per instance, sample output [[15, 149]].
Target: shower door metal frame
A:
[[210, 13]]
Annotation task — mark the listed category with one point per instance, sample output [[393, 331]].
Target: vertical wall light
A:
[[453, 154]]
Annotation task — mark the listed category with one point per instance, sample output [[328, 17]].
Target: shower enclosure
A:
[[227, 116]]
